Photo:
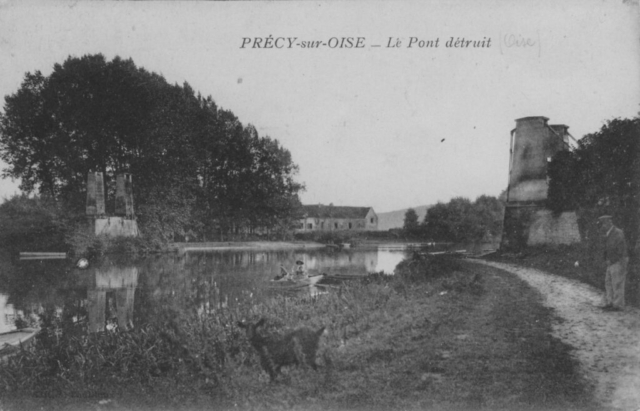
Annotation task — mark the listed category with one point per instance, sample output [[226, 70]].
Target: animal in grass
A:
[[299, 347]]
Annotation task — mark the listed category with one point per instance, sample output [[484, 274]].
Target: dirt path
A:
[[607, 344]]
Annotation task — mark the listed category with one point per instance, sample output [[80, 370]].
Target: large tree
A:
[[190, 159], [451, 221], [411, 225], [88, 115], [488, 212], [461, 220], [601, 175]]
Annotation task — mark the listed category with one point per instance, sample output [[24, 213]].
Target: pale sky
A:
[[366, 126]]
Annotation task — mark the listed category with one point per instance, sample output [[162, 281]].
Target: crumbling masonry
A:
[[124, 222], [526, 219]]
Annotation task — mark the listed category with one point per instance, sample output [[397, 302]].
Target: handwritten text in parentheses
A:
[[518, 41]]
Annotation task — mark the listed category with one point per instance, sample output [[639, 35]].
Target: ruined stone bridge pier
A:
[[123, 223], [527, 221]]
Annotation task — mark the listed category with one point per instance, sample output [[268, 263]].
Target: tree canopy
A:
[[411, 224], [601, 175], [195, 165], [31, 224], [461, 220]]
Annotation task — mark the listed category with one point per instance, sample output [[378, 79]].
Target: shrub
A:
[[31, 224], [421, 266]]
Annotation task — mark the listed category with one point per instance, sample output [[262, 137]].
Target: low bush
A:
[[462, 282], [32, 224], [421, 266], [82, 241]]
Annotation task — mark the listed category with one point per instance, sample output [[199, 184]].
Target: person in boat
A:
[[284, 274], [300, 271], [297, 273]]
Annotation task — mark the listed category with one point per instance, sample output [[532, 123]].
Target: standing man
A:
[[617, 259]]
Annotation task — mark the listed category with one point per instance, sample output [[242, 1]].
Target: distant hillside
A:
[[395, 219]]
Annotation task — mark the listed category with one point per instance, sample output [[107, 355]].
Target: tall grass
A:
[[203, 352]]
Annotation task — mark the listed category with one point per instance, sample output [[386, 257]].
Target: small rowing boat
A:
[[291, 282], [10, 342]]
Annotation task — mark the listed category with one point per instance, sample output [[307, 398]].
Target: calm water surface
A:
[[122, 291]]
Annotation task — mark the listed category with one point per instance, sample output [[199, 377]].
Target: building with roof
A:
[[320, 217]]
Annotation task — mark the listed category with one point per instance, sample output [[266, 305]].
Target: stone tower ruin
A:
[[124, 195], [124, 222], [527, 221]]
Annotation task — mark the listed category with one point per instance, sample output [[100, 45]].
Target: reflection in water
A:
[[119, 292], [339, 262], [111, 296]]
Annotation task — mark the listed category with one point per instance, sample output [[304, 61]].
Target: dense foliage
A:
[[411, 225], [461, 220], [32, 224], [197, 169], [601, 175]]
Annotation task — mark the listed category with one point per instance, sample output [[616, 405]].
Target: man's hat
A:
[[603, 218]]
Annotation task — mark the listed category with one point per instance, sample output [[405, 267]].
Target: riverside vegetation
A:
[[439, 334], [198, 171]]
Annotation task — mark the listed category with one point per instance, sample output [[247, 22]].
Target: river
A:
[[121, 291]]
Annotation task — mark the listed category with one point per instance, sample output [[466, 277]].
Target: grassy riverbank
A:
[[441, 334]]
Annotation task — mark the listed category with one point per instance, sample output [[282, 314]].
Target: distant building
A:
[[332, 218]]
